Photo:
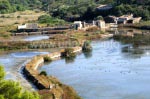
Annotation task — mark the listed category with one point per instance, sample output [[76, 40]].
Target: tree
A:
[[12, 90], [2, 73], [99, 18]]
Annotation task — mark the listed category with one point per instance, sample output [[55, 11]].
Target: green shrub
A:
[[12, 90], [47, 19], [68, 53], [18, 16], [87, 46], [99, 18], [47, 59], [43, 73]]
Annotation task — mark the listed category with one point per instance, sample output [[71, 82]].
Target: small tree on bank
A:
[[87, 46], [68, 53]]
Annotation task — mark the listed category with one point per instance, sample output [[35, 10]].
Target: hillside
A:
[[71, 10], [86, 9]]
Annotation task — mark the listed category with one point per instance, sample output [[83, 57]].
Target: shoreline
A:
[[59, 88], [32, 74], [60, 41], [134, 26], [45, 83]]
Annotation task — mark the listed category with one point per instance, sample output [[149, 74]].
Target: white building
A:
[[28, 26], [22, 27], [78, 25], [100, 24]]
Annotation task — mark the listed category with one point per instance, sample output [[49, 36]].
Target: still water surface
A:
[[108, 72]]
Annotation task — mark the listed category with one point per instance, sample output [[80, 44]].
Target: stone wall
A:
[[43, 82]]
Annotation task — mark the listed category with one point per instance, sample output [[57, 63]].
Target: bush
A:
[[99, 18], [68, 53], [47, 59], [47, 19], [12, 90], [18, 16], [43, 73], [87, 46]]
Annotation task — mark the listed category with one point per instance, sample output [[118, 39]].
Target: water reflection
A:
[[132, 50], [70, 59], [87, 54], [129, 31]]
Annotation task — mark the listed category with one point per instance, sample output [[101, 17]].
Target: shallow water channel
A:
[[30, 38]]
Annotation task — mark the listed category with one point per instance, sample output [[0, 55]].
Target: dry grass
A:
[[19, 17], [10, 21]]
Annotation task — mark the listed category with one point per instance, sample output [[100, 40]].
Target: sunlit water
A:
[[30, 38], [106, 73]]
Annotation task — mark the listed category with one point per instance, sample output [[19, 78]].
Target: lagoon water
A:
[[108, 72], [111, 71]]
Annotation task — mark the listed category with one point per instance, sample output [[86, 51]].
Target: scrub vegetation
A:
[[12, 90]]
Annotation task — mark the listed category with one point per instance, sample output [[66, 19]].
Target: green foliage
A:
[[46, 19], [8, 6], [136, 7], [68, 53], [47, 59], [78, 11], [1, 97], [87, 46], [2, 73], [12, 90], [43, 73], [71, 10], [99, 18], [142, 11], [5, 6]]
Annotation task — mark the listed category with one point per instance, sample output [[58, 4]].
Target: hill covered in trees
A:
[[8, 6], [86, 9], [79, 9]]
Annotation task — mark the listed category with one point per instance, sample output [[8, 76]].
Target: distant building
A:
[[111, 19], [135, 20], [100, 24], [28, 27], [122, 19], [78, 25]]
